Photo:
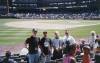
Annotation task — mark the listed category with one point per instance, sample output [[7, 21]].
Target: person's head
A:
[[45, 33], [66, 33], [34, 32], [56, 34], [86, 50], [93, 33], [8, 54], [83, 41], [72, 49], [97, 36]]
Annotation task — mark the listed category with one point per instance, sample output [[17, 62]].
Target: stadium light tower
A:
[[7, 7]]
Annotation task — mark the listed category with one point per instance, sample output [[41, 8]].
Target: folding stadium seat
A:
[[97, 58], [23, 62], [13, 57], [22, 56], [17, 59], [16, 54], [25, 58], [1, 59], [79, 58]]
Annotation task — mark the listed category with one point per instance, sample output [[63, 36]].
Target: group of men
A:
[[44, 49], [49, 47]]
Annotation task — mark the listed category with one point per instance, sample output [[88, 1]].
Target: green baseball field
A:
[[15, 31]]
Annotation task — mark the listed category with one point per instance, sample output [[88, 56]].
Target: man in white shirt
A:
[[92, 39], [57, 44], [68, 40]]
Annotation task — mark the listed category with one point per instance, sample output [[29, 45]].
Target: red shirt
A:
[[86, 59]]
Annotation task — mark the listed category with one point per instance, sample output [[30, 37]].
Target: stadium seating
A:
[[23, 59]]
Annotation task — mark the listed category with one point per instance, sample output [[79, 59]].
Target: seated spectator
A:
[[0, 60], [7, 58], [86, 56], [82, 45], [24, 51], [70, 57], [78, 50]]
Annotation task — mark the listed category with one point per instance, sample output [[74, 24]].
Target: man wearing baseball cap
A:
[[32, 44]]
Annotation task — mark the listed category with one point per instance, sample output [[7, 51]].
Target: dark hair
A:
[[8, 54], [45, 32], [72, 47], [34, 30], [66, 31], [97, 36]]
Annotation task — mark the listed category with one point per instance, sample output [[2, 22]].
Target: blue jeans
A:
[[33, 58], [45, 59]]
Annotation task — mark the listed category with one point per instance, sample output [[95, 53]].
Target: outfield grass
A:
[[12, 36]]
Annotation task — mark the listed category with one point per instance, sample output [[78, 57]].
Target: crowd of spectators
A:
[[57, 49], [58, 16]]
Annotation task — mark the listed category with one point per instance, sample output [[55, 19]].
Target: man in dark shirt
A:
[[32, 45], [45, 45]]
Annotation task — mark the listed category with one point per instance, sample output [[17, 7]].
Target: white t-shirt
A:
[[24, 51], [70, 39], [92, 40]]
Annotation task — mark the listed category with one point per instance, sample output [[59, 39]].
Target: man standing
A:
[[32, 44], [57, 44], [45, 46], [92, 39], [68, 40]]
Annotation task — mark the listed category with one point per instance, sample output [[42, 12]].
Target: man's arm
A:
[[50, 42], [39, 42], [26, 43]]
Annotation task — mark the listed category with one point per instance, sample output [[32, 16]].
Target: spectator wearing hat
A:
[[57, 44], [45, 46], [32, 44], [86, 57]]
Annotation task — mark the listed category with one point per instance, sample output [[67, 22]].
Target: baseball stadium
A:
[[19, 19]]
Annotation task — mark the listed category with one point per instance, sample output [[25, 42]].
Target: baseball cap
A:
[[34, 30], [87, 47]]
